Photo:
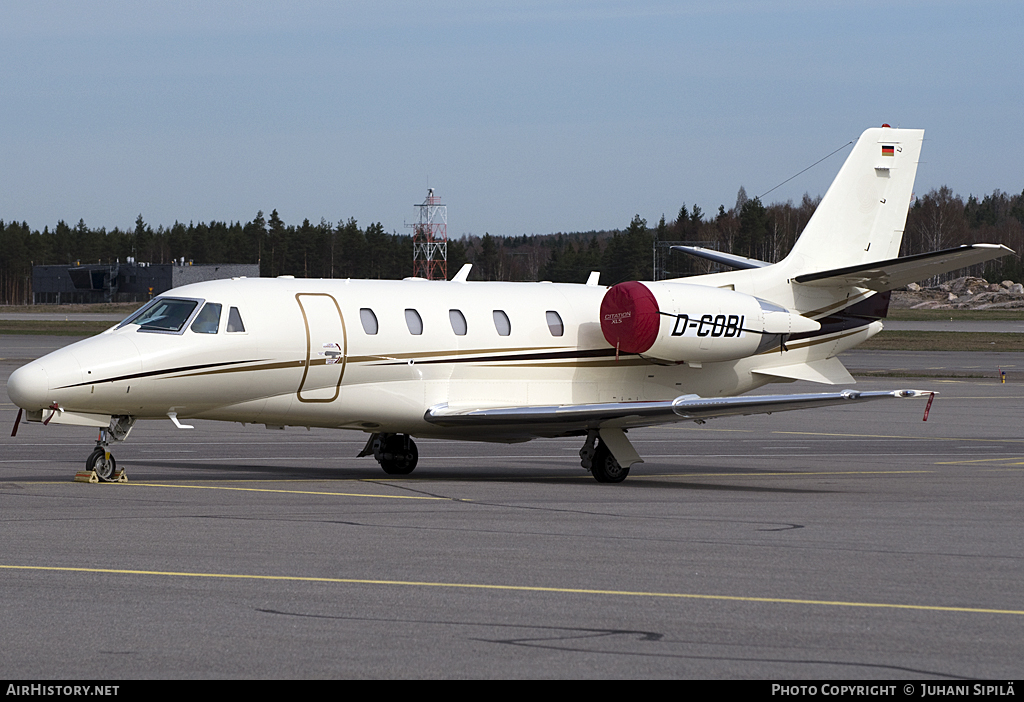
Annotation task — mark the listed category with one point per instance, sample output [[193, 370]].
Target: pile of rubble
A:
[[967, 293]]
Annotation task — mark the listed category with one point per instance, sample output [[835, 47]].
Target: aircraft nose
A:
[[29, 387]]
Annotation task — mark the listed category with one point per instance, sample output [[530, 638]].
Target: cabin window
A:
[[413, 321], [458, 321], [369, 320], [208, 319], [165, 314], [235, 321], [555, 325], [501, 323]]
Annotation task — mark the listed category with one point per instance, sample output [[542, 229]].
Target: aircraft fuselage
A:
[[369, 355]]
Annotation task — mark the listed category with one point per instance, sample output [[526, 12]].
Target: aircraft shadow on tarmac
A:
[[212, 472]]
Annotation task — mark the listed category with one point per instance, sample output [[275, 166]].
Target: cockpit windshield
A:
[[163, 314]]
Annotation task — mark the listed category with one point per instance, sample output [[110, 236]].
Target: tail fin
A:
[[863, 214], [851, 244]]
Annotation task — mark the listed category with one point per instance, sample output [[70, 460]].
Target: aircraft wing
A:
[[555, 419], [897, 272]]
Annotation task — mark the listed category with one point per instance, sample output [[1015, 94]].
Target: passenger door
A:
[[326, 348]]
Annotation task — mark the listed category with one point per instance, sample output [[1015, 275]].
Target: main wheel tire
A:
[[605, 468], [105, 467], [399, 455]]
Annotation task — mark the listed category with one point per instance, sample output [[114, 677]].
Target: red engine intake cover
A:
[[629, 317]]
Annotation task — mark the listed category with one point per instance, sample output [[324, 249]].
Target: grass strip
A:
[[943, 341], [904, 315], [53, 328]]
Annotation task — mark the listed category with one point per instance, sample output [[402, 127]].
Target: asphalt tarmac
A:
[[826, 544]]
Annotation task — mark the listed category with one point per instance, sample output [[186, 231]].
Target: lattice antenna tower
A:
[[430, 239]]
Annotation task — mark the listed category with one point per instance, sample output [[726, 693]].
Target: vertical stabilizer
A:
[[863, 214]]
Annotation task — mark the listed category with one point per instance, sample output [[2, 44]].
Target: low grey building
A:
[[125, 282]]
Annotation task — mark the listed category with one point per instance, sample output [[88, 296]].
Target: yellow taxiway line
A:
[[292, 492], [566, 476], [520, 588], [910, 438]]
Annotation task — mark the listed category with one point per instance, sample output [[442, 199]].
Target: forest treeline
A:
[[939, 219]]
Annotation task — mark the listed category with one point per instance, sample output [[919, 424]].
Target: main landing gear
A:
[[100, 466], [396, 453], [596, 457]]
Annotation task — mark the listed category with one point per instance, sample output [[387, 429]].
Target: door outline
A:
[[309, 349]]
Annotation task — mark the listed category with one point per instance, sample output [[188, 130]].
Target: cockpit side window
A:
[[235, 321], [166, 314], [208, 319]]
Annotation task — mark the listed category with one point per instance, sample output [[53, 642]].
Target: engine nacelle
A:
[[680, 322]]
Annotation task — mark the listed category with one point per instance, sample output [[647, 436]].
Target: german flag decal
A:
[[888, 151]]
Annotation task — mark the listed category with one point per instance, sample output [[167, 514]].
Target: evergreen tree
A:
[[350, 259], [753, 230], [254, 236], [628, 255], [489, 268]]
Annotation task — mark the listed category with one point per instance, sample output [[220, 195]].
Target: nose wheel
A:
[[100, 466], [102, 462]]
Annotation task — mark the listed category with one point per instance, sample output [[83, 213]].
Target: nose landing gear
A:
[[100, 466]]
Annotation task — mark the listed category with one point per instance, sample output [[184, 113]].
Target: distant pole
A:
[[654, 257], [430, 239]]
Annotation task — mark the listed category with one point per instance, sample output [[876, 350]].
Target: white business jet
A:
[[509, 362]]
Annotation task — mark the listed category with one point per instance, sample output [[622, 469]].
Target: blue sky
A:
[[533, 117]]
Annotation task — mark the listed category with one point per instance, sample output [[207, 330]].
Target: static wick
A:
[[617, 342], [928, 407]]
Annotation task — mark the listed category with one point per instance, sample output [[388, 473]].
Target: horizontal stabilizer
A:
[[829, 371], [897, 272], [553, 419], [727, 259]]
